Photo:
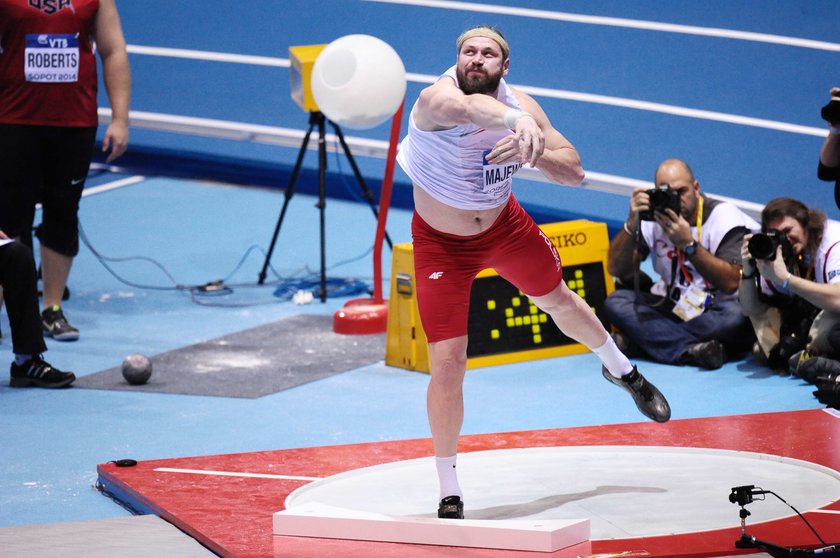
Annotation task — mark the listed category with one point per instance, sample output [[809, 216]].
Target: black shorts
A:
[[47, 165]]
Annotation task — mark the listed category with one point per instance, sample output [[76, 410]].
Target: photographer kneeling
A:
[[791, 273], [691, 314]]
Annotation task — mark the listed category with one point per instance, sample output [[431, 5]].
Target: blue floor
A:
[[51, 441]]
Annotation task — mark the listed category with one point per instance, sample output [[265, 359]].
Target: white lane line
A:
[[208, 55], [234, 474], [674, 110], [622, 22], [112, 185], [536, 91]]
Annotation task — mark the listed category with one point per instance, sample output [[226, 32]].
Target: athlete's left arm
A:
[[560, 161], [110, 42]]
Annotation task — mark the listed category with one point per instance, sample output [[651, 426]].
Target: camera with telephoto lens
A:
[[831, 112], [762, 246], [661, 198]]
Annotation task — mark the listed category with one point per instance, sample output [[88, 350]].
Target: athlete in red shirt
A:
[[48, 120]]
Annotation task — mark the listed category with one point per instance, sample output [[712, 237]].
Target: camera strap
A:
[[680, 258], [692, 300]]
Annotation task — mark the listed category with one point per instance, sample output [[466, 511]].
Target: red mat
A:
[[232, 515]]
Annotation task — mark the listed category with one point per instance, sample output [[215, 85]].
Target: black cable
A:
[[99, 487], [104, 259], [797, 513], [285, 287]]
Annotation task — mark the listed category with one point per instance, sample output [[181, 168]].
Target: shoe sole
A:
[[32, 382], [72, 336]]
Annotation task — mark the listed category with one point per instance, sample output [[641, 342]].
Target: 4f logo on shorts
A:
[[49, 7], [436, 275]]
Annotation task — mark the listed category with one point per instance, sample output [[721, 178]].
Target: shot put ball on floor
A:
[[136, 369]]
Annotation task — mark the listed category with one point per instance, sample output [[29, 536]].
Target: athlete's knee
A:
[[450, 367], [558, 300], [61, 237], [59, 230], [448, 363]]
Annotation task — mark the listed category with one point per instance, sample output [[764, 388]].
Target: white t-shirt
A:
[[827, 261], [451, 164], [719, 218]]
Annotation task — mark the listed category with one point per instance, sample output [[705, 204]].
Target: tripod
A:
[[317, 118], [743, 495]]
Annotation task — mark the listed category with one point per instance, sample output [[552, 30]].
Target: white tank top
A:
[[450, 164]]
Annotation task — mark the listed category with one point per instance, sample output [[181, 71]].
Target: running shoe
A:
[[56, 325], [36, 372]]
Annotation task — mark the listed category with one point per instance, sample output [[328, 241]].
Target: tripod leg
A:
[[365, 191], [290, 190], [322, 201]]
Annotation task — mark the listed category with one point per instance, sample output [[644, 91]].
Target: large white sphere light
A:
[[358, 81]]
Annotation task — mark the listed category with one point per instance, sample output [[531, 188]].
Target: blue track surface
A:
[[52, 441], [779, 83]]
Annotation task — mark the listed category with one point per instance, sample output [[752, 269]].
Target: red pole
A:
[[384, 203]]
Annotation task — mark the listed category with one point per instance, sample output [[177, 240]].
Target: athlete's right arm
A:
[[443, 105], [116, 74]]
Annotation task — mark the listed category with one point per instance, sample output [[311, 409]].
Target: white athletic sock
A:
[[615, 361], [448, 477]]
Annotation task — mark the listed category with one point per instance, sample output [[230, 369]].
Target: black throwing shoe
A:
[[648, 399], [56, 325], [36, 372], [709, 355], [451, 507]]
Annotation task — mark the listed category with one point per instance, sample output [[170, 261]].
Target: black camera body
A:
[[661, 198], [762, 246], [831, 112], [743, 495]]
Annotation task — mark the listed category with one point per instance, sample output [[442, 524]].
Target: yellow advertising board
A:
[[504, 325]]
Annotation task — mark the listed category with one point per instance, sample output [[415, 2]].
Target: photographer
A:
[[691, 314], [802, 270], [829, 167]]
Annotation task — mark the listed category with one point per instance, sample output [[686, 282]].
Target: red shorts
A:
[[445, 266]]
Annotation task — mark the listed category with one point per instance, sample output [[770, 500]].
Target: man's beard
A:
[[486, 84]]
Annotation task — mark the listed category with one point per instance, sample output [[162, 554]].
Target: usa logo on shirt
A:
[[50, 7]]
